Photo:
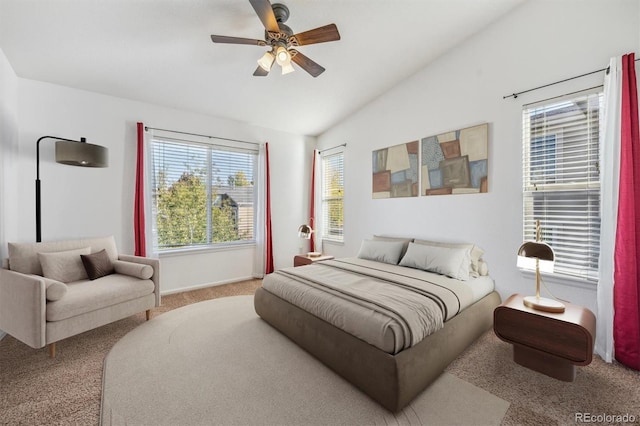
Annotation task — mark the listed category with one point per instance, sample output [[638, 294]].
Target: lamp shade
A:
[[283, 56], [537, 250], [305, 231], [81, 154], [266, 61]]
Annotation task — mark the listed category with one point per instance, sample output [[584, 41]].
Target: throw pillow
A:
[[64, 266], [381, 251], [452, 262], [97, 264], [137, 270]]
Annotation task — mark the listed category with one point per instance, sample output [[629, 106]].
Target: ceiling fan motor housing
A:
[[281, 11]]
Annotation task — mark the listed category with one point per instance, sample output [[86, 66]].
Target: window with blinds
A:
[[332, 198], [561, 180], [203, 195]]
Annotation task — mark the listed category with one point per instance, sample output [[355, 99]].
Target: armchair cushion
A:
[[87, 296], [97, 264], [64, 266], [137, 270]]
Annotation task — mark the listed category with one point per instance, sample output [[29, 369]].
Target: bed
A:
[[385, 324]]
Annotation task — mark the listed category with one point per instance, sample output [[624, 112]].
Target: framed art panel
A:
[[455, 162], [395, 171]]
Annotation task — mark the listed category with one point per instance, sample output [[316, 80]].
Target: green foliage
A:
[[224, 221], [335, 203], [239, 179], [182, 212]]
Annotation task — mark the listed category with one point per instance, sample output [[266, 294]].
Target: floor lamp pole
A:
[[38, 207]]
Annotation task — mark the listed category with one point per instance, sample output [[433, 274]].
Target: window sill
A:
[[334, 242], [188, 251]]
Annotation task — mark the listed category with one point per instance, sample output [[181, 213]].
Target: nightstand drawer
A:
[[553, 336]]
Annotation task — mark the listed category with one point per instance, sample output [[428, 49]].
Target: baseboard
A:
[[2, 334], [206, 285]]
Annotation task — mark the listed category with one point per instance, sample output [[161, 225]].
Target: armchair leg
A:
[[52, 350], [148, 312]]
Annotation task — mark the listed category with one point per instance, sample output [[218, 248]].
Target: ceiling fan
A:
[[282, 41]]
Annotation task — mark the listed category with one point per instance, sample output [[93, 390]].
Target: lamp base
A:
[[542, 304]]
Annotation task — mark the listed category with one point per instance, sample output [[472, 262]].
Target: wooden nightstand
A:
[[300, 260], [550, 343]]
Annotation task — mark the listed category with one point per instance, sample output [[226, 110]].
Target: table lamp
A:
[[538, 256], [305, 231]]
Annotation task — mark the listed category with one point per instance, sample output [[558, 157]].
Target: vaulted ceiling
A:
[[160, 51]]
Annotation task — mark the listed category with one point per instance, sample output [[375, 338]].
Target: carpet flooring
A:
[[37, 390], [217, 362]]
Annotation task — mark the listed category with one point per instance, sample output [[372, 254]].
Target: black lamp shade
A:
[[81, 154], [537, 250]]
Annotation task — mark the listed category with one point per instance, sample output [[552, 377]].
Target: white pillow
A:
[[64, 266], [476, 252], [483, 268], [452, 262], [381, 251], [405, 241]]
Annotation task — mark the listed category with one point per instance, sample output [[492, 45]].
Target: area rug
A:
[[217, 362]]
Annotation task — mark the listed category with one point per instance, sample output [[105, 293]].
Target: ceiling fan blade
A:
[[318, 35], [260, 72], [307, 64], [236, 40], [265, 13]]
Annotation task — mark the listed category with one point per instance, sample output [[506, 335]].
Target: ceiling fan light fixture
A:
[[266, 61], [283, 57], [287, 68]]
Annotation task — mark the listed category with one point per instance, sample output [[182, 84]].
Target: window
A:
[[332, 196], [203, 195], [561, 180]]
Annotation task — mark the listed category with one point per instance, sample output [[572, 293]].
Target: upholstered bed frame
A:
[[391, 380]]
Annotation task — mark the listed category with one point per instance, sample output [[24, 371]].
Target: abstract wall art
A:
[[395, 171], [455, 162]]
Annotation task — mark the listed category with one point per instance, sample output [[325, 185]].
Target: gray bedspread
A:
[[388, 306]]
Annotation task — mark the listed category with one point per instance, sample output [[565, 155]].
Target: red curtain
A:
[[626, 292], [268, 236], [312, 208], [138, 209]]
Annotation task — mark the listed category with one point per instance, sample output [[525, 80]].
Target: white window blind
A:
[[203, 195], [333, 196], [561, 180]]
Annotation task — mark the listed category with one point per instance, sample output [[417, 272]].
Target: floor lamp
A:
[[73, 153]]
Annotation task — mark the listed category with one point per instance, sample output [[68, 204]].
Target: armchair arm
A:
[[23, 307], [154, 263]]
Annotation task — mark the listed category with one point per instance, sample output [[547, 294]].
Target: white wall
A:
[[8, 151], [82, 202], [539, 42]]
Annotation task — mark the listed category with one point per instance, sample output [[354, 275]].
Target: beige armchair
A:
[[53, 290]]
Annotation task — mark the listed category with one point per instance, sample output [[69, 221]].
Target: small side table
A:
[[300, 259], [550, 343]]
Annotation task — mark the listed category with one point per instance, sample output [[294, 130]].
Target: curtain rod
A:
[[516, 94], [146, 128], [562, 96], [333, 147]]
